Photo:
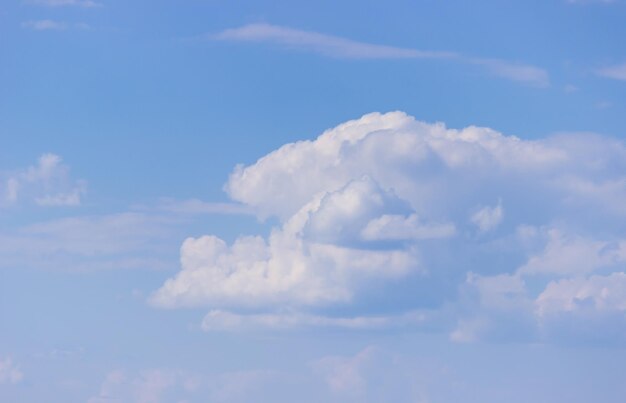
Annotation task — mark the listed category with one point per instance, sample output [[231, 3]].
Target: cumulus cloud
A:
[[317, 257], [388, 206], [48, 183], [9, 372], [338, 47]]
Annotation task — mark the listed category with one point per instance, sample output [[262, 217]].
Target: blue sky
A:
[[412, 201]]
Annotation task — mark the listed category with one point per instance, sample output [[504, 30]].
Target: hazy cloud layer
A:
[[9, 372], [369, 375]]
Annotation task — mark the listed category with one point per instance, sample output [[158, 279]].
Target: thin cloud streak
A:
[[327, 45], [45, 25], [65, 3], [343, 48], [513, 71], [51, 25], [617, 72], [195, 206]]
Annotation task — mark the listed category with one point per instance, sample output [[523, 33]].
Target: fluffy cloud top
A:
[[388, 204]]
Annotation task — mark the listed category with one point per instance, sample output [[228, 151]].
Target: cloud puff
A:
[[9, 372], [596, 293], [488, 218], [379, 215], [47, 183], [334, 46]]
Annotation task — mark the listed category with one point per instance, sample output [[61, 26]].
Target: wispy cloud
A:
[[89, 243], [195, 206], [523, 73], [338, 47], [45, 25], [617, 72], [51, 25], [590, 1], [217, 320], [324, 44], [65, 3]]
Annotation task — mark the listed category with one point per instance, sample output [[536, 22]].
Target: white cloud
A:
[[148, 386], [325, 44], [9, 372], [469, 330], [488, 218], [574, 255], [380, 205], [370, 375], [46, 184], [314, 259], [399, 227], [579, 294], [501, 291], [65, 3], [524, 73], [346, 374], [339, 47], [617, 72], [396, 152]]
